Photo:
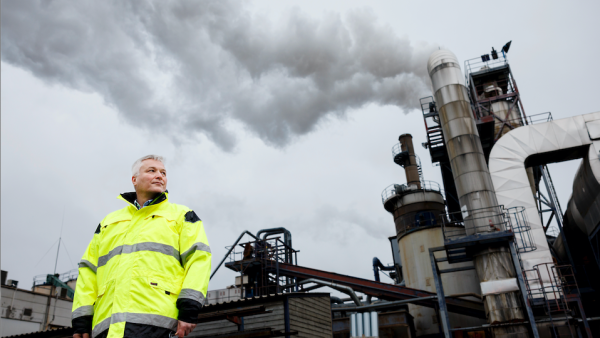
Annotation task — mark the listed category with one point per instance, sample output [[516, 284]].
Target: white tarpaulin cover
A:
[[495, 287]]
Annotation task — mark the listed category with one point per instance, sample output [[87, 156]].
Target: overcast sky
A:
[[270, 114]]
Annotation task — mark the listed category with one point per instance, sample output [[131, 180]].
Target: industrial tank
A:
[[418, 208]]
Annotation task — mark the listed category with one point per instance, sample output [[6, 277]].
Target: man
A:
[[146, 271]]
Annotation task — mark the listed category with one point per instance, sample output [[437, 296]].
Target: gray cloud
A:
[[191, 68]]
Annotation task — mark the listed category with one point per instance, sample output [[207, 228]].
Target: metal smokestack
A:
[[411, 169], [473, 182], [473, 185]]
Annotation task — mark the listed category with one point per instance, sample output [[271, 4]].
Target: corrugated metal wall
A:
[[311, 316], [274, 320]]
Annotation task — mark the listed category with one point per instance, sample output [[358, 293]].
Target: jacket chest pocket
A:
[[164, 221]]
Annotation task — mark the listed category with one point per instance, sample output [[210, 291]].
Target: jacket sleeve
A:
[[196, 260], [86, 289]]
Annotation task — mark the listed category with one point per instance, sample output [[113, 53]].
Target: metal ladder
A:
[[554, 299]]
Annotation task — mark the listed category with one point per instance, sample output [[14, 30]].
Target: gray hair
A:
[[135, 168]]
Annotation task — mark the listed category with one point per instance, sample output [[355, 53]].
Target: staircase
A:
[[552, 193]]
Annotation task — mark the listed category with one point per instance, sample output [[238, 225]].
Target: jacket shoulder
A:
[[186, 213], [117, 216]]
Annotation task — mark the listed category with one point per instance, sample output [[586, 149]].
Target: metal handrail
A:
[[488, 220], [477, 64], [398, 189]]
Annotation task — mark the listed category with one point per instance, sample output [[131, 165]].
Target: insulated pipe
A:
[[341, 288], [381, 305], [374, 324], [473, 184], [367, 324], [359, 325], [411, 168], [353, 331]]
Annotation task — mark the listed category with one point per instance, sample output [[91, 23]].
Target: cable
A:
[[46, 253], [68, 255]]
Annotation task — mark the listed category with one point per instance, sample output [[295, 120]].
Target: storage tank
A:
[[418, 208]]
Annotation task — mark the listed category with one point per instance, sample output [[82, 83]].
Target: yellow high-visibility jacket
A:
[[143, 270]]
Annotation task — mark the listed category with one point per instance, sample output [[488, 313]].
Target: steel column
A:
[[443, 311]]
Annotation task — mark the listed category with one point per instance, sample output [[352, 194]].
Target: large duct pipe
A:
[[473, 185], [411, 168]]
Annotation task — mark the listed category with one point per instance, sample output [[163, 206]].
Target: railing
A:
[[268, 253], [272, 249], [399, 189], [539, 118], [477, 64], [490, 220], [63, 277]]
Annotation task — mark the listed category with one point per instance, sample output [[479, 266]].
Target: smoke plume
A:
[[190, 68]]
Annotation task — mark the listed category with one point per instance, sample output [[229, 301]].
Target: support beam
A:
[[442, 310]]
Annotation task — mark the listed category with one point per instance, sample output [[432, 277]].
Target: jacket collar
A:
[[130, 197]]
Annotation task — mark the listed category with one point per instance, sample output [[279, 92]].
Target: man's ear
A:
[[133, 180]]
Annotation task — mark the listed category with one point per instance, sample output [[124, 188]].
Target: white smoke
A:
[[190, 67]]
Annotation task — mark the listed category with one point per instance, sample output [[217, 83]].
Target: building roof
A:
[[52, 333], [259, 300]]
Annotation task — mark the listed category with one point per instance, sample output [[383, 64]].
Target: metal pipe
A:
[[381, 305], [374, 324], [359, 325], [341, 288], [378, 265], [367, 324], [336, 300], [546, 320], [353, 332], [232, 247], [411, 169]]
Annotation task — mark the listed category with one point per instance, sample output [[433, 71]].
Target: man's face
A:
[[152, 177]]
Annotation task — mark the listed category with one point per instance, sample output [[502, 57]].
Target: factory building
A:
[[45, 307]]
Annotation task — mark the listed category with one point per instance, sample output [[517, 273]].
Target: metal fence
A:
[[489, 220], [399, 189]]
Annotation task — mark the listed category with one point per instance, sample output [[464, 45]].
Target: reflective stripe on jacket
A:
[[149, 266]]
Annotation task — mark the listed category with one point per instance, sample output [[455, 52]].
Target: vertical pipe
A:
[[410, 166], [367, 324], [353, 325], [359, 325], [286, 316], [473, 184], [374, 324]]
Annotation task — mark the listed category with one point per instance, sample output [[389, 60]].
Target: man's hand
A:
[[183, 329], [79, 335]]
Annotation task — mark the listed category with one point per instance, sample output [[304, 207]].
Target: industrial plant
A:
[[487, 252]]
